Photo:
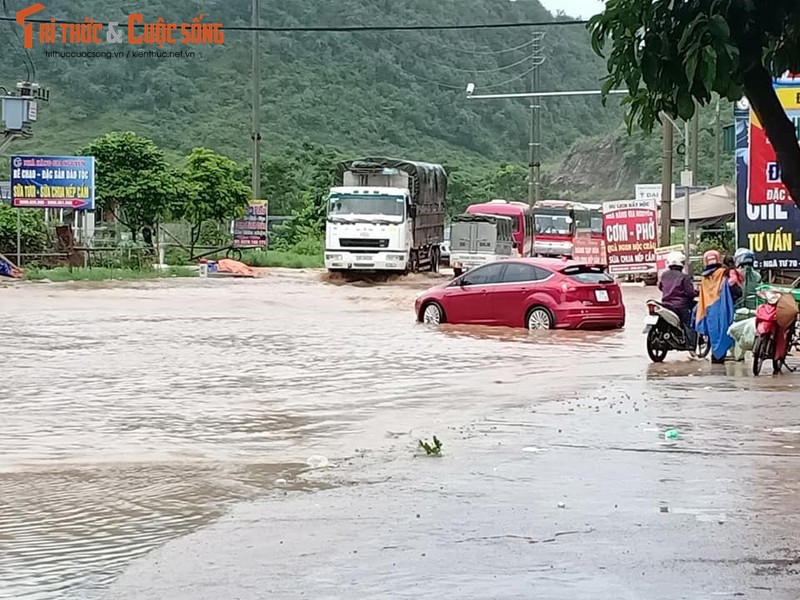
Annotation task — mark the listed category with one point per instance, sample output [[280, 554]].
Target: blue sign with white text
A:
[[52, 182]]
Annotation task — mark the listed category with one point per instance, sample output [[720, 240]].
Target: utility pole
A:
[[666, 182], [695, 142], [256, 135], [534, 143], [717, 150]]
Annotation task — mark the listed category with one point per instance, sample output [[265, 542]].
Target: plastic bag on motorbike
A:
[[744, 333], [786, 310]]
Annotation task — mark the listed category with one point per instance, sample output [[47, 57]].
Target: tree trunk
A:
[[194, 238], [758, 87]]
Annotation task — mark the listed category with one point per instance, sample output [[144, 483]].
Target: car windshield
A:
[[587, 274], [553, 224], [365, 204]]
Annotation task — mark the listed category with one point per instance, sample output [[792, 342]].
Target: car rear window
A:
[[586, 274]]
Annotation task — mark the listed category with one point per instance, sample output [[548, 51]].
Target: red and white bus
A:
[[558, 223], [521, 215]]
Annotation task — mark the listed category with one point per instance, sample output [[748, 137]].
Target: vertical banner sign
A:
[[251, 231], [631, 228], [589, 250], [52, 182], [768, 221]]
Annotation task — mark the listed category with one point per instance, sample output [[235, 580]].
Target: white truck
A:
[[476, 240], [384, 215]]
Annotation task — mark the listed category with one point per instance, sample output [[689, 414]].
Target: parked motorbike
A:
[[666, 333], [774, 332]]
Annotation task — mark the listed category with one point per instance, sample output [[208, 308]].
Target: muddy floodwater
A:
[[155, 442]]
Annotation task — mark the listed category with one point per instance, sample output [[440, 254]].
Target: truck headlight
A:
[[397, 257], [333, 257]]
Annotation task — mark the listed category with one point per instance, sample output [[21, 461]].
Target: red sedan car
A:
[[537, 293]]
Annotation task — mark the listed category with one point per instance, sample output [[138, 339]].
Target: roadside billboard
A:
[[767, 219], [52, 182], [651, 191], [631, 228], [251, 230], [589, 250]]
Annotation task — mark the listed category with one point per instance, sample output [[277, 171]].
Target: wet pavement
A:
[[153, 439]]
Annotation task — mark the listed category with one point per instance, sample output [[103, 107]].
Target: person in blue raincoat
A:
[[715, 306]]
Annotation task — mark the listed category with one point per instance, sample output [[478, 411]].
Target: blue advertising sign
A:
[[52, 182], [770, 229]]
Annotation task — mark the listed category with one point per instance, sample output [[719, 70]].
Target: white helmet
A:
[[676, 259]]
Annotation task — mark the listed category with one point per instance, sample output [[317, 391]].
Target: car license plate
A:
[[601, 295], [651, 320]]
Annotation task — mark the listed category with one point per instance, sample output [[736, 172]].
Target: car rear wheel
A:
[[432, 314], [539, 318]]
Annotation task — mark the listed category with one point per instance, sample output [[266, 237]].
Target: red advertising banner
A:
[[251, 230], [591, 251], [631, 228], [765, 185]]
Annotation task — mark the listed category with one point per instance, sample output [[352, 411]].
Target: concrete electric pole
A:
[[256, 135], [694, 143], [666, 181], [535, 142]]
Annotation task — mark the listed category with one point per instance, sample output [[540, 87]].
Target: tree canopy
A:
[[671, 55], [133, 179], [214, 191]]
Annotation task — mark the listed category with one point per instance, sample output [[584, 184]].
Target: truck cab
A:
[[368, 228], [385, 214]]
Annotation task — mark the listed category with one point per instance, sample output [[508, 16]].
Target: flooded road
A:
[[154, 439]]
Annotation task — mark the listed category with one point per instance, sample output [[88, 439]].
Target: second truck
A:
[[385, 215]]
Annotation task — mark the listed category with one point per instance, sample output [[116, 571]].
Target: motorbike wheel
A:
[[760, 349], [703, 346], [656, 355]]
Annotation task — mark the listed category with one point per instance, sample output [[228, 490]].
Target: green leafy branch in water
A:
[[435, 450]]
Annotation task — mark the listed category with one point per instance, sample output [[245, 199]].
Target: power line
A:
[[483, 52], [499, 69], [30, 68], [359, 28], [538, 63]]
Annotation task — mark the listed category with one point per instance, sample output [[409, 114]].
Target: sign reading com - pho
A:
[[52, 182]]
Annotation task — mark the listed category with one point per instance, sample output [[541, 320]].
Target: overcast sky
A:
[[575, 8]]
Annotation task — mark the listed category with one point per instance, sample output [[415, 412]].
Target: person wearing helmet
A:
[[677, 291], [751, 278], [715, 307]]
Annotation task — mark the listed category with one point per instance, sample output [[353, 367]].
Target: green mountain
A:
[[363, 93]]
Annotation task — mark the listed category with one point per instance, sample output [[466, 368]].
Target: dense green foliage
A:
[[325, 97], [135, 183], [133, 180], [33, 234], [673, 56], [365, 93], [215, 191]]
